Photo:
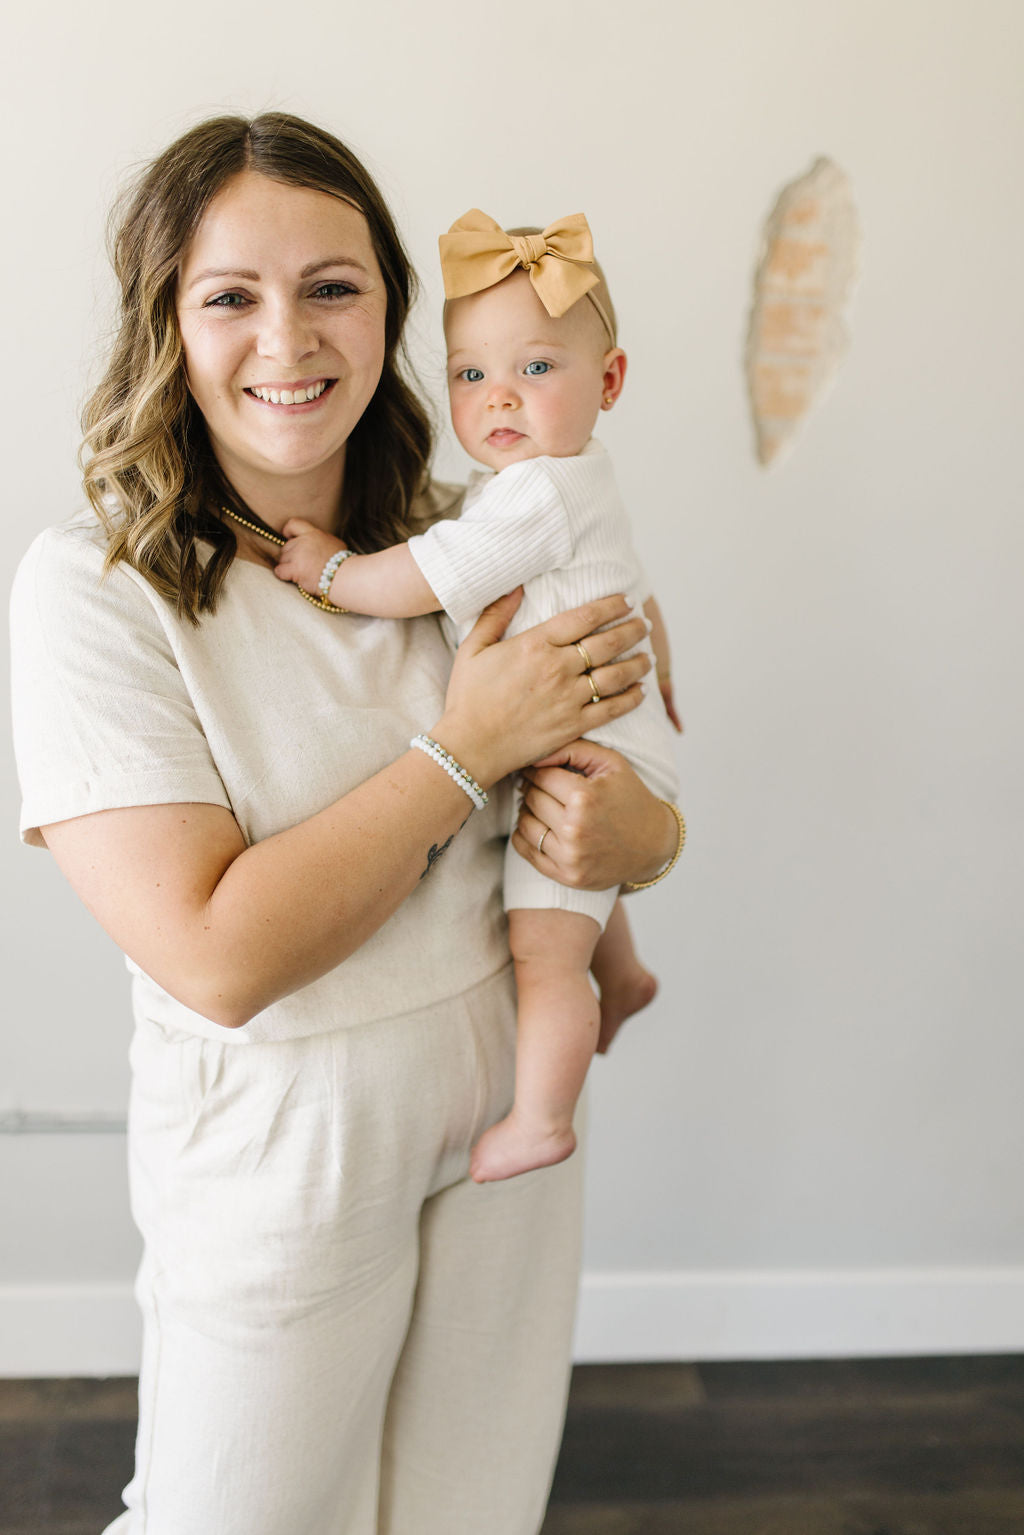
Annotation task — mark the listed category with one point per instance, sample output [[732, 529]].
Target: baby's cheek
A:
[[459, 415]]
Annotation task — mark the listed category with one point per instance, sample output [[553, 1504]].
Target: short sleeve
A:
[[102, 717], [515, 528]]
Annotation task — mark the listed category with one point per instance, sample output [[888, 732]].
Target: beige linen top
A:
[[270, 708]]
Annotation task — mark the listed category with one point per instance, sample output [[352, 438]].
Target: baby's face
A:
[[521, 384]]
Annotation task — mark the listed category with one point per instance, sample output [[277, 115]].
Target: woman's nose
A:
[[286, 334]]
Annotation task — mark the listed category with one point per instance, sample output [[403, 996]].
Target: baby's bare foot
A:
[[621, 998], [511, 1147]]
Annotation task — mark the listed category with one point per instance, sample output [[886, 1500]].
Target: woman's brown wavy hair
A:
[[148, 468]]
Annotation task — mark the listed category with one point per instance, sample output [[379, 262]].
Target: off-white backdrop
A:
[[813, 1141]]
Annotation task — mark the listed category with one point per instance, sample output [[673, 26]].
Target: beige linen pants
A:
[[342, 1335]]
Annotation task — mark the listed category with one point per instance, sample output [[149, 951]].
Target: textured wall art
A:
[[806, 274]]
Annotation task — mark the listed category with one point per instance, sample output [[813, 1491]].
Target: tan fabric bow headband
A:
[[476, 253]]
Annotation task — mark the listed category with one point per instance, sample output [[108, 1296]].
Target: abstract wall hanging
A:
[[798, 336]]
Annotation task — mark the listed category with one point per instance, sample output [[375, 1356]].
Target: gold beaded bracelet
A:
[[646, 884]]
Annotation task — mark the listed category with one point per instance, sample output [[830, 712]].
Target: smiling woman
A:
[[147, 449], [343, 1334], [252, 335]]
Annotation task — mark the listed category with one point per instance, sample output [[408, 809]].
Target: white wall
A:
[[813, 1141]]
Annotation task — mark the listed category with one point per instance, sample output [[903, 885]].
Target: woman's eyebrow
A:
[[320, 266], [250, 276], [223, 272]]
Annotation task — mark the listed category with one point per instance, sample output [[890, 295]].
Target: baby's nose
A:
[[503, 397]]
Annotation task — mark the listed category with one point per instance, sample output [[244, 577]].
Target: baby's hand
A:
[[305, 554]]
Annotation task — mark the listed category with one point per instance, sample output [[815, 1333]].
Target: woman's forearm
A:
[[229, 929], [293, 906]]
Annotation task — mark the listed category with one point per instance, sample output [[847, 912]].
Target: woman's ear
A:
[[614, 376]]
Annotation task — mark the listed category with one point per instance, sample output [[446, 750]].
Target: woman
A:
[[342, 1333]]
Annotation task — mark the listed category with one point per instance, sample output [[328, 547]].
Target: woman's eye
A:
[[535, 369], [333, 290], [226, 301], [471, 375]]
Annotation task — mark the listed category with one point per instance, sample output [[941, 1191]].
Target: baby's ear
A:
[[613, 376]]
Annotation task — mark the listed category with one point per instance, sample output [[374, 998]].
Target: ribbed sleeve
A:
[[516, 528]]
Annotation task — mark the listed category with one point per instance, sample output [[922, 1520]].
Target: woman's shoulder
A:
[[63, 579], [80, 540], [72, 552]]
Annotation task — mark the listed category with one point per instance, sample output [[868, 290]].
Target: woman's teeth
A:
[[291, 396]]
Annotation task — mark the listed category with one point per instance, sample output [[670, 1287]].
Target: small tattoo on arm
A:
[[435, 853]]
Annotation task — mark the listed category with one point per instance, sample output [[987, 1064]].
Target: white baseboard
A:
[[67, 1329], [799, 1314], [53, 1330]]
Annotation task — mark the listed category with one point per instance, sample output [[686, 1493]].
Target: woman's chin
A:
[[282, 457]]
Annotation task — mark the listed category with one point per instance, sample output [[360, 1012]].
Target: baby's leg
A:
[[626, 986], [558, 1022]]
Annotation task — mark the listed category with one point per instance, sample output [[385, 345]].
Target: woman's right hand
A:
[[513, 703]]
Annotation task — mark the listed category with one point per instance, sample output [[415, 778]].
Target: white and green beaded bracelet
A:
[[458, 774], [330, 570]]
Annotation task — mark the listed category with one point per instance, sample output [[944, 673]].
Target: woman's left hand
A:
[[601, 825]]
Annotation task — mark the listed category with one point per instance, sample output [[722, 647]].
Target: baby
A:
[[532, 359]]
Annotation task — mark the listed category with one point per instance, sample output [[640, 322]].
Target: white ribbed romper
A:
[[558, 527]]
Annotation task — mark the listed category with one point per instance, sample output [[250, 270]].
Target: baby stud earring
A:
[[609, 399]]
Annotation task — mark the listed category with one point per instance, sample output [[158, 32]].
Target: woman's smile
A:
[[291, 395]]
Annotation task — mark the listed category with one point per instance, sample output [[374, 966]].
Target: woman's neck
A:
[[315, 496]]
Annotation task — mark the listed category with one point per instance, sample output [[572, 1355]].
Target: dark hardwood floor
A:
[[850, 1447]]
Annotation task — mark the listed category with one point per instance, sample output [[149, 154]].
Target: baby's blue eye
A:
[[471, 375], [535, 369]]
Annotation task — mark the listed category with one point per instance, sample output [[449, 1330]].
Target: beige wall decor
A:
[[798, 335]]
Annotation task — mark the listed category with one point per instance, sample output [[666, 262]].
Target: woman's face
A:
[[280, 294]]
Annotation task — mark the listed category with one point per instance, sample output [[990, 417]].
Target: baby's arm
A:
[[659, 644], [383, 585], [516, 527]]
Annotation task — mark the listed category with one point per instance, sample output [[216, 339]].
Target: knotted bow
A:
[[476, 253]]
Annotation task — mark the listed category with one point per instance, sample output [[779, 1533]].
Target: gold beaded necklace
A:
[[275, 538]]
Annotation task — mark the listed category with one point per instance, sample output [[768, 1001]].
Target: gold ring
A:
[[595, 697], [588, 664], [540, 844]]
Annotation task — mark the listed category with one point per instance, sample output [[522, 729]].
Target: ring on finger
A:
[[540, 842], [588, 664], [595, 697]]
